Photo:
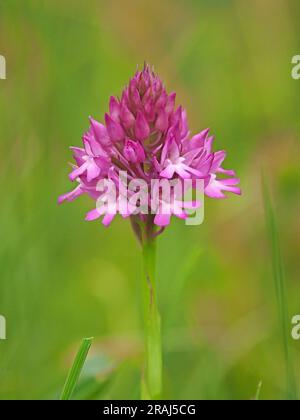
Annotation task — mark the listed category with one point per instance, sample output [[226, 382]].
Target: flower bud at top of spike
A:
[[114, 129], [170, 103], [142, 129], [100, 132], [162, 121], [114, 108], [134, 95], [162, 100], [127, 118], [134, 151]]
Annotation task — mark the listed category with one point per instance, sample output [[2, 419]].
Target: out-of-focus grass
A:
[[281, 293], [62, 279]]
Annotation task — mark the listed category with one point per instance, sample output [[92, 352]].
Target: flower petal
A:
[[77, 192], [162, 220]]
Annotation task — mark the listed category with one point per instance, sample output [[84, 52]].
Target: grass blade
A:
[[76, 369], [258, 391], [278, 274]]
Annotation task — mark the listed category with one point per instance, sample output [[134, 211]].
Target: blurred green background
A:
[[62, 279]]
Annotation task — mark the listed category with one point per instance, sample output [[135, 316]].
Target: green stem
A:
[[152, 375]]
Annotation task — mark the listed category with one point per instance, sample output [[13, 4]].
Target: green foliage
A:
[[76, 369], [281, 294]]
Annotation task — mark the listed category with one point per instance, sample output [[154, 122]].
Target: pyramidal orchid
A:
[[147, 137]]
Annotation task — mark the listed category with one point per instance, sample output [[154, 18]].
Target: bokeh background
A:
[[62, 279]]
